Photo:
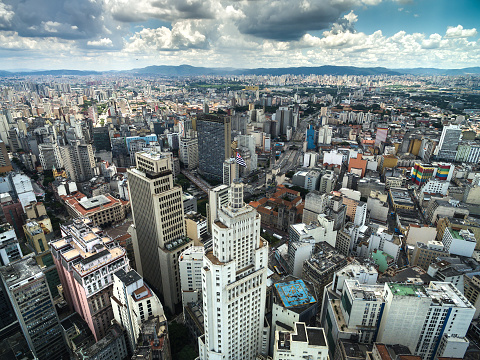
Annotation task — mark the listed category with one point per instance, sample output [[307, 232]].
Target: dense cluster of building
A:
[[280, 223]]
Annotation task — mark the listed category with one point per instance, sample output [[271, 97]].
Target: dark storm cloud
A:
[[65, 19], [287, 20], [166, 10]]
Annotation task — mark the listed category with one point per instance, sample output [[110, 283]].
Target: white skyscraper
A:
[[234, 277]]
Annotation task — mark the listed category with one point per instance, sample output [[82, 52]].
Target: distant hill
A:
[[188, 70]]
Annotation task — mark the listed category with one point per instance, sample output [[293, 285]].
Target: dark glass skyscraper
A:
[[27, 289], [101, 139], [214, 145]]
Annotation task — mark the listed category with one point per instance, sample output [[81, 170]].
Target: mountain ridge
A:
[[189, 70]]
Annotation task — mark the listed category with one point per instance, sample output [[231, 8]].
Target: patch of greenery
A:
[[181, 349], [202, 206]]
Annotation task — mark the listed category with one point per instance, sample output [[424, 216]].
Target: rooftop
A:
[[294, 293], [21, 272], [407, 289], [128, 278]]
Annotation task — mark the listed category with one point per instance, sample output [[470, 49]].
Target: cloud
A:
[[101, 43], [168, 10], [6, 15], [279, 20], [182, 36], [459, 32]]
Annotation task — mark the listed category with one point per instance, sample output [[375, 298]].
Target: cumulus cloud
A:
[[459, 32], [182, 36], [101, 43], [6, 15]]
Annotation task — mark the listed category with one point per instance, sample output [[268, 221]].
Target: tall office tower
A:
[[101, 138], [188, 152], [234, 281], [230, 171], [78, 160], [133, 303], [49, 155], [159, 235], [86, 260], [27, 289], [284, 118], [447, 147], [5, 164], [217, 197], [214, 145]]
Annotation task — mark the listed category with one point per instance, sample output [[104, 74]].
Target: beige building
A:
[[472, 291], [196, 227], [101, 209], [78, 160], [426, 254], [159, 235]]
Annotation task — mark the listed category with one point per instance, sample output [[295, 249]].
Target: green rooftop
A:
[[455, 234], [406, 289]]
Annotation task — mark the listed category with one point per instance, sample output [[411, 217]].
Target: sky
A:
[[126, 34]]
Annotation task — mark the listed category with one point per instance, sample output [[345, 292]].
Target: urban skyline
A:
[[220, 33]]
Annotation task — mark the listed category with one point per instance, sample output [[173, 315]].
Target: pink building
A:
[[86, 260]]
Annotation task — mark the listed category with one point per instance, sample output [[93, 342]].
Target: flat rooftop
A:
[[93, 202], [407, 289], [294, 293]]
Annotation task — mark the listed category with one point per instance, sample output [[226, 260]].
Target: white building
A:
[[234, 277], [301, 343], [9, 247], [188, 152], [298, 252], [418, 316], [23, 187], [360, 214], [386, 242], [217, 198], [133, 302], [190, 265], [459, 242], [310, 159]]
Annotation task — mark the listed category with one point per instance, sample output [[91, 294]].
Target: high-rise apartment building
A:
[[214, 145], [78, 160], [86, 260], [447, 147], [27, 289], [5, 165], [188, 152], [234, 283], [49, 155], [159, 235]]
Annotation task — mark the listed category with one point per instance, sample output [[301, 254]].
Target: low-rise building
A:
[[301, 342], [293, 300], [320, 268], [9, 247], [101, 209], [425, 254], [461, 242]]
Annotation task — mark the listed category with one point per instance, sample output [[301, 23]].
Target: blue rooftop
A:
[[294, 293]]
